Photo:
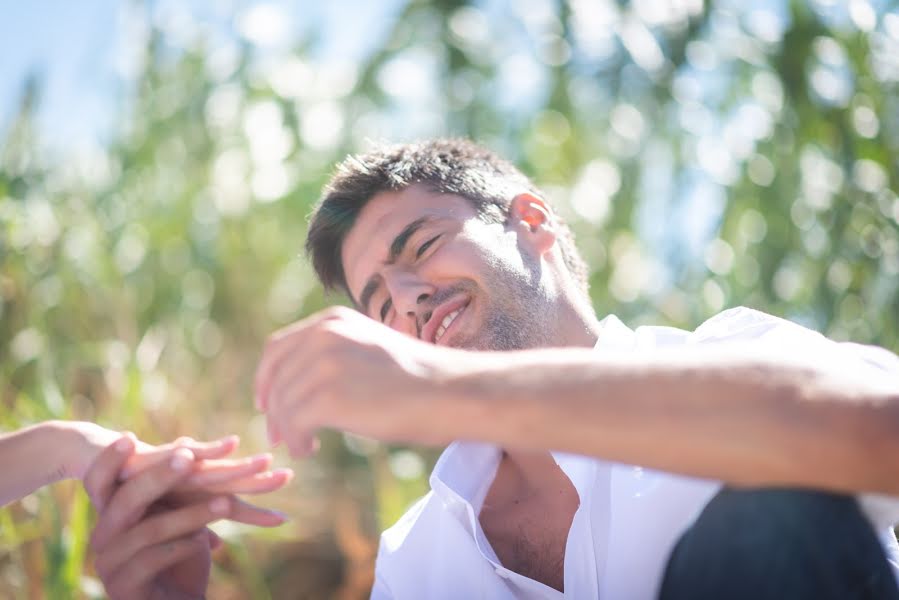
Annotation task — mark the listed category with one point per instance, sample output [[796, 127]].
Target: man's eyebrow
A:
[[399, 242], [368, 291], [396, 248]]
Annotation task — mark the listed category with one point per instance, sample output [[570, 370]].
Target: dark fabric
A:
[[779, 544]]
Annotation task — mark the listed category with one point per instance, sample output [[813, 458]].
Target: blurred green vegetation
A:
[[707, 155]]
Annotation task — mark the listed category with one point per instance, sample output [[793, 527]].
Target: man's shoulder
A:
[[745, 324], [742, 322], [735, 324]]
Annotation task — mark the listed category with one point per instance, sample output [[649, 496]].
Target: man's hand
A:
[[145, 550], [341, 369]]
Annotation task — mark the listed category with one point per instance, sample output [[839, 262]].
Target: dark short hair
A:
[[447, 166]]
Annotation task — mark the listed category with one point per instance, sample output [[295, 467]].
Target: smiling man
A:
[[604, 461]]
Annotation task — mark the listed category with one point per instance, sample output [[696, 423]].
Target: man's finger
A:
[[101, 478], [287, 343], [272, 430], [279, 345], [129, 503], [250, 514], [165, 526], [288, 351], [288, 384], [290, 408], [215, 542], [297, 426], [301, 445], [241, 511], [134, 576]]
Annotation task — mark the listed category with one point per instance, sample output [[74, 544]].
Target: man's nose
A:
[[410, 294]]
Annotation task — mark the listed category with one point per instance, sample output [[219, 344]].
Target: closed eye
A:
[[424, 247], [385, 308]]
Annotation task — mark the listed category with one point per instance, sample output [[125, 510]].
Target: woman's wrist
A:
[[80, 443]]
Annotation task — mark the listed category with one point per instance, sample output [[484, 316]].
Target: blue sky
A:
[[77, 50], [69, 45]]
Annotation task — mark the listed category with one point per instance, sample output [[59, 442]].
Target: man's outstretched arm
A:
[[723, 412]]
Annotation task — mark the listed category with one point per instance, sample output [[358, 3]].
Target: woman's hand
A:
[[228, 479], [146, 548], [211, 473]]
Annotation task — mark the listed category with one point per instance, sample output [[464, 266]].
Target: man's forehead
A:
[[383, 218]]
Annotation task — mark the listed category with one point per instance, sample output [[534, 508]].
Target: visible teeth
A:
[[447, 321]]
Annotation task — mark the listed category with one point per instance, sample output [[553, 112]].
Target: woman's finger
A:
[[259, 483], [147, 455], [209, 450], [212, 472]]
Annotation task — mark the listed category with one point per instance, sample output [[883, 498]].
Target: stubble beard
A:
[[514, 315]]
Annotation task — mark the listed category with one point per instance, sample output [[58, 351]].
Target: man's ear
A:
[[532, 217]]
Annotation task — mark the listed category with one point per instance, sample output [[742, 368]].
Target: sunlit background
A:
[[158, 161]]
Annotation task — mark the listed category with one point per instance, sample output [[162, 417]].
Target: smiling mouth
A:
[[447, 321]]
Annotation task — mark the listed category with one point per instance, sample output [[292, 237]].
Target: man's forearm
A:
[[722, 413]]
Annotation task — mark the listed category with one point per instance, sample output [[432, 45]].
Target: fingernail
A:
[[125, 444], [182, 460], [287, 474], [219, 506]]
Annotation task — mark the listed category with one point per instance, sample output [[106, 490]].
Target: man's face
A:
[[423, 263]]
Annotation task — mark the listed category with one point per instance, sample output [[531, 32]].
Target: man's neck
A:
[[525, 473], [527, 515], [577, 324], [577, 327]]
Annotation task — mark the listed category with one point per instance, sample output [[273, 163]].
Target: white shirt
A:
[[629, 518]]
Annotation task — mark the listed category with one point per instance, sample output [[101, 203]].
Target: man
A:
[[447, 249]]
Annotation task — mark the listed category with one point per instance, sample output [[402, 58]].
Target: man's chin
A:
[[466, 344]]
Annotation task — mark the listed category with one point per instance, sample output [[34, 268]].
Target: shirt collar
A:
[[615, 335], [463, 474]]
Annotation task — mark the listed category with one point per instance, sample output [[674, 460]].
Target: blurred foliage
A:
[[707, 155]]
